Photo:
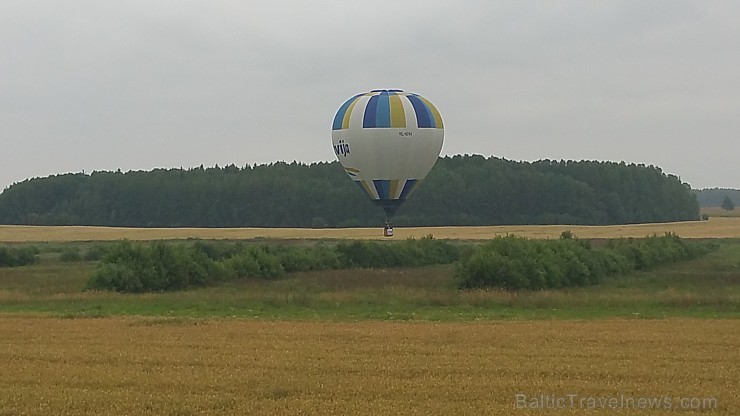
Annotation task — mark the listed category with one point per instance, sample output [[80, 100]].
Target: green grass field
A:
[[705, 287]]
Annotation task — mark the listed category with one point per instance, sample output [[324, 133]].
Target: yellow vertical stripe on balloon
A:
[[398, 115], [435, 113], [370, 190], [393, 188], [348, 113]]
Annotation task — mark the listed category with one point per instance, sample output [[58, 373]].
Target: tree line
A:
[[460, 190], [717, 197]]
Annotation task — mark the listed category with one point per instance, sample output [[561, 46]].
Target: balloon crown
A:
[[386, 109]]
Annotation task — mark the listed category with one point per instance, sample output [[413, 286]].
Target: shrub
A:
[[94, 253], [241, 265], [436, 251], [567, 235], [70, 254], [307, 258], [17, 256], [218, 250], [486, 268], [408, 253], [253, 262], [128, 267], [359, 254], [269, 264]]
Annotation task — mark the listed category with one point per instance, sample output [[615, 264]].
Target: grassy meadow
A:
[[704, 287], [370, 341]]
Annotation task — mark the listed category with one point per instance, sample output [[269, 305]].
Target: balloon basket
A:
[[388, 231]]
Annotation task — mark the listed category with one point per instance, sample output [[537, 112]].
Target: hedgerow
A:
[[505, 262], [141, 267], [517, 263]]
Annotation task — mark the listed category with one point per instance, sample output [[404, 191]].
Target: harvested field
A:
[[139, 366], [714, 228], [719, 212]]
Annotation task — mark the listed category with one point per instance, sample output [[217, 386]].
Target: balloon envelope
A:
[[387, 141]]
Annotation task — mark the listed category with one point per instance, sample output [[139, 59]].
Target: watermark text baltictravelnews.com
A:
[[620, 401]]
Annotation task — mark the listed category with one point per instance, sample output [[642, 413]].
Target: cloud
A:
[[143, 84]]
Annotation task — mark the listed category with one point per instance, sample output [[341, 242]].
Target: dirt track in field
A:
[[714, 228]]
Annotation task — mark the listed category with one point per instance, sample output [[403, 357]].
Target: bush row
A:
[[516, 263], [141, 267], [17, 256], [504, 262], [642, 254]]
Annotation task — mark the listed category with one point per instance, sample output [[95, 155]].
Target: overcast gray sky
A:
[[131, 85]]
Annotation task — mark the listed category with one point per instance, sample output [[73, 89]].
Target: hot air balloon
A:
[[387, 141]]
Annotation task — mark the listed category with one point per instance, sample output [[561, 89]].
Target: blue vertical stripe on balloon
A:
[[370, 110], [337, 125], [424, 117], [383, 111], [364, 190], [407, 187], [382, 186]]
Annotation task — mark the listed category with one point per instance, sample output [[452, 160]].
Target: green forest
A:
[[460, 190]]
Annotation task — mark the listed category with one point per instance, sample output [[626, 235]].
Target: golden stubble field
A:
[[725, 227], [140, 366]]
